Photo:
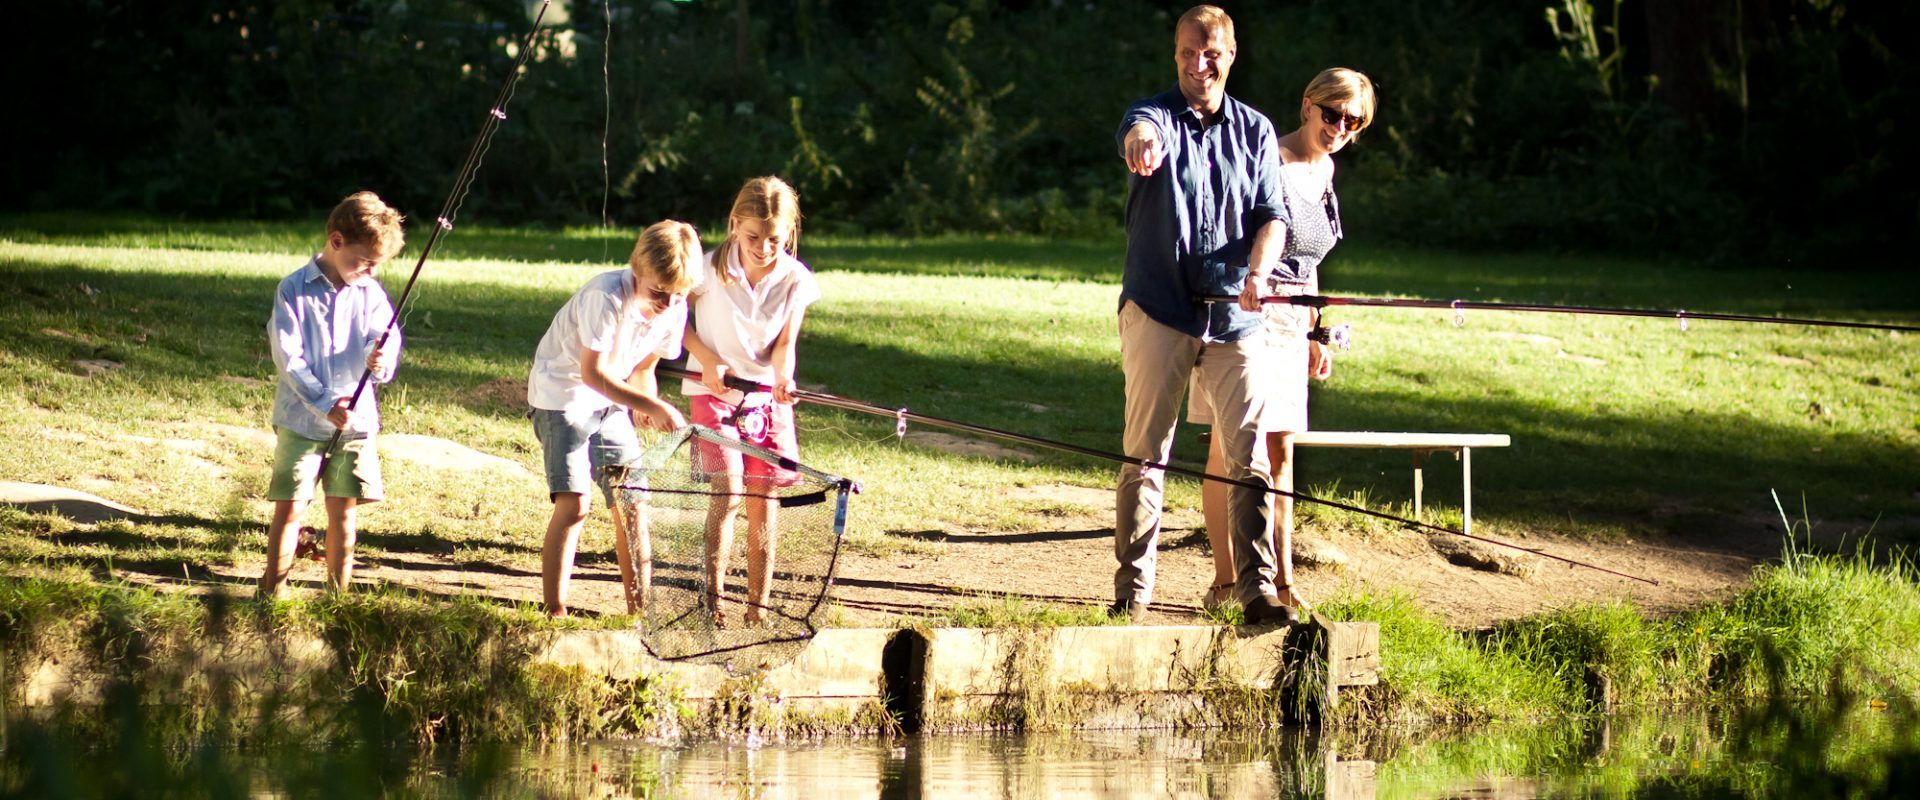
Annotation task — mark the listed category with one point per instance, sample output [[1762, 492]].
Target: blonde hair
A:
[[668, 250], [766, 199], [1339, 86], [1209, 19], [362, 218]]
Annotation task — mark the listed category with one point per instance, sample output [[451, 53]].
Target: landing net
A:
[[696, 495]]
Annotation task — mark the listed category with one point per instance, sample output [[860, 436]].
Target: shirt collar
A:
[[739, 271], [1229, 108], [312, 272]]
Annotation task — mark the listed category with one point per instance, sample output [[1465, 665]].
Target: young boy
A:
[[592, 378], [327, 316]]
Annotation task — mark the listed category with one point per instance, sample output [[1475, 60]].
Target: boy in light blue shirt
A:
[[327, 318]]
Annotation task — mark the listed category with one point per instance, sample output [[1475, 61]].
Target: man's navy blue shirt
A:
[[1191, 224]]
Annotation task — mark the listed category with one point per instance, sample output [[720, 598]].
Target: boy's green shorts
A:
[[354, 470]]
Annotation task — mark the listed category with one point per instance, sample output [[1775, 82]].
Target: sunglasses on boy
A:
[[1333, 117]]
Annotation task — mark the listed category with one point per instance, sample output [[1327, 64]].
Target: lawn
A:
[[1621, 427]]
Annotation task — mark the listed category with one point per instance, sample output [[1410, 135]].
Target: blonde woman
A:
[[1338, 104]]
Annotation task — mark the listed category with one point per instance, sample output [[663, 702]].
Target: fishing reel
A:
[[1339, 337]]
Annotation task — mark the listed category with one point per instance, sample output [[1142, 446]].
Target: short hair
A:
[[1209, 19], [1339, 86], [362, 218], [767, 199], [669, 250]]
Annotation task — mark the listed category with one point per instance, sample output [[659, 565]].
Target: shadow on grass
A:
[[1591, 462]]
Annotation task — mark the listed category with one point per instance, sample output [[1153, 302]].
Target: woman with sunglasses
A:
[[1337, 105]]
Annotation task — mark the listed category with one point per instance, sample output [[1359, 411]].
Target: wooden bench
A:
[[1422, 445]]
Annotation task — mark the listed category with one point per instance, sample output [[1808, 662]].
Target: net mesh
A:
[[775, 527]]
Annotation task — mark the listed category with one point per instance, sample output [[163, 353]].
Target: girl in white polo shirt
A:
[[745, 321]]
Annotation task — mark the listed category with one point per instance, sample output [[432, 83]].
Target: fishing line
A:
[[902, 415], [457, 197], [606, 125]]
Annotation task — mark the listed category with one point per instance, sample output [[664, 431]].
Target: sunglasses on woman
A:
[[1333, 117]]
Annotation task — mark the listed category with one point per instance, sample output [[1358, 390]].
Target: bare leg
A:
[[1213, 506], [283, 532], [556, 556], [763, 534], [634, 551], [341, 536], [720, 510], [1280, 455]]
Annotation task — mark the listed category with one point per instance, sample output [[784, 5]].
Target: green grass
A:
[[1810, 625], [1001, 611], [1676, 433]]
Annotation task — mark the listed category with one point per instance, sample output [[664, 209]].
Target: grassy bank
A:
[[1809, 625], [412, 670]]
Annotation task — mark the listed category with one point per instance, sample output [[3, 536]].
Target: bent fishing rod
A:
[[443, 224], [902, 416], [1457, 306]]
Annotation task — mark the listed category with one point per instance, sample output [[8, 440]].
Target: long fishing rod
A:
[[1681, 314], [443, 224], [902, 416]]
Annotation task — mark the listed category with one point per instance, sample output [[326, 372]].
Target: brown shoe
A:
[[1268, 610], [1134, 613]]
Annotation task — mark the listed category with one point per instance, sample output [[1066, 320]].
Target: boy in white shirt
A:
[[592, 379]]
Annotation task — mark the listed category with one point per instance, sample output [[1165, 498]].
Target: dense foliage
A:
[[1781, 128]]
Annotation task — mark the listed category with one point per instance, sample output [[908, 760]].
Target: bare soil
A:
[[1068, 562]]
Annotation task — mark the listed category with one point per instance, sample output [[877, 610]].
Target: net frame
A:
[[634, 486]]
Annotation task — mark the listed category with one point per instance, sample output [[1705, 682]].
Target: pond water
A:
[[1859, 749], [1855, 748]]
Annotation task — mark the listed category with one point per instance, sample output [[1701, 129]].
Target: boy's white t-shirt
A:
[[599, 318], [741, 322]]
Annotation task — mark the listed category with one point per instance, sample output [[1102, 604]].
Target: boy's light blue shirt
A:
[[320, 338]]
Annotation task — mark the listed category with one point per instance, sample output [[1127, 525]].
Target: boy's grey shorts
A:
[[579, 447]]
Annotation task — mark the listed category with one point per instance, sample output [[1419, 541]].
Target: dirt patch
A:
[[437, 453], [1083, 497], [967, 446], [508, 393], [250, 437], [1791, 361], [94, 367], [75, 505]]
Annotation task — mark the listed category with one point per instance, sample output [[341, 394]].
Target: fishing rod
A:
[[902, 416], [462, 184], [1457, 306]]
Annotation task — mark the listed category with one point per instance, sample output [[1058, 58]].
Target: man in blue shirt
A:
[[1204, 216]]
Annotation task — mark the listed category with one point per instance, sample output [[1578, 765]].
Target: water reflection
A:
[[1090, 764], [1859, 747], [1848, 749]]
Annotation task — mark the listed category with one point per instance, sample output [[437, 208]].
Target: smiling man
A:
[[1204, 212]]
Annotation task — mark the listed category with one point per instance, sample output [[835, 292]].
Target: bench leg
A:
[[1419, 480], [1466, 489]]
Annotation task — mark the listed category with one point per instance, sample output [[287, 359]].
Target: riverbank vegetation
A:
[[1810, 625]]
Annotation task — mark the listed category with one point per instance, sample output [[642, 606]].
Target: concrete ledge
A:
[[854, 680]]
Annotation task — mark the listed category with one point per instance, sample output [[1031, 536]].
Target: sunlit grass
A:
[[1672, 432]]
